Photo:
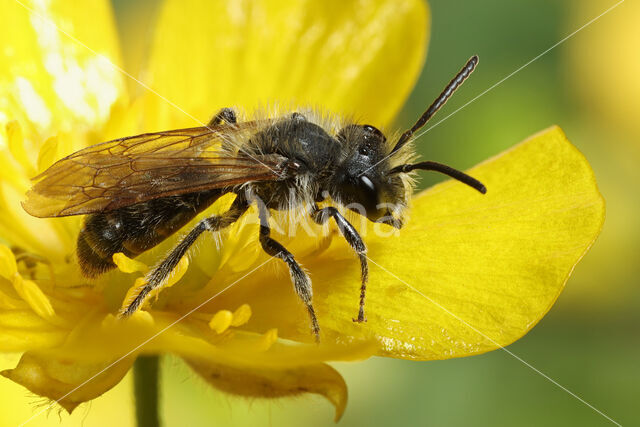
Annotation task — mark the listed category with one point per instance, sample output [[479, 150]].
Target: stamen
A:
[[177, 273], [48, 154], [33, 295], [128, 265], [241, 315], [140, 282], [221, 321], [15, 143], [8, 266], [132, 292], [267, 340]]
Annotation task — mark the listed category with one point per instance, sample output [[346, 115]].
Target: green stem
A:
[[145, 380]]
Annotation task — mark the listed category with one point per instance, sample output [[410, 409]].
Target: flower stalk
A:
[[146, 372]]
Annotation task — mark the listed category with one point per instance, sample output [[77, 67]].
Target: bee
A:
[[138, 191]]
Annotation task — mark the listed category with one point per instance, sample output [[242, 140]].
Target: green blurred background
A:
[[589, 342]]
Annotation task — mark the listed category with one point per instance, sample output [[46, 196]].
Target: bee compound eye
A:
[[367, 183], [371, 131], [368, 195]]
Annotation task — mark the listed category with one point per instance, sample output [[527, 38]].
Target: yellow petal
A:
[[262, 382], [67, 381], [98, 337], [72, 371], [48, 81], [467, 274], [21, 329], [358, 58], [17, 227]]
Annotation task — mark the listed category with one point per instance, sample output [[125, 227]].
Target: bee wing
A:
[[131, 170]]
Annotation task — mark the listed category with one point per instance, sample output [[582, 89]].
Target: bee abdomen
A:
[[96, 245], [135, 229]]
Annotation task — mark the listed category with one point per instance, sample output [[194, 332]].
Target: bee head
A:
[[361, 182]]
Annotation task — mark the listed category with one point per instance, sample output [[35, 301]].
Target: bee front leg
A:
[[226, 115], [157, 277], [321, 216], [301, 282]]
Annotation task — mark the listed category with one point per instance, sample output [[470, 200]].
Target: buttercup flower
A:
[[467, 274]]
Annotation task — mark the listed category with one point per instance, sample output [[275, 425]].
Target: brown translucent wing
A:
[[131, 170]]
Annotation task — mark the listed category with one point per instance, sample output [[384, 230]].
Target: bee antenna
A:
[[447, 170], [454, 84]]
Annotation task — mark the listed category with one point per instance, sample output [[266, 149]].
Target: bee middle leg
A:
[[301, 282], [226, 115], [158, 275], [321, 216]]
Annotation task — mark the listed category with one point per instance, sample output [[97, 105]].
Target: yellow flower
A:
[[466, 275]]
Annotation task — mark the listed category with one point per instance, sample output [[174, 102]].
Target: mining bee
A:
[[139, 190]]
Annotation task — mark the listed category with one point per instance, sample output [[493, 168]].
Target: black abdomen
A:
[[136, 228]]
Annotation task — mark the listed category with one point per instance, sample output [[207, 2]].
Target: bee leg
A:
[[226, 115], [301, 282], [158, 275], [321, 216]]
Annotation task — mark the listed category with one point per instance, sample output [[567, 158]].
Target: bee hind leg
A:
[[225, 115], [301, 282], [321, 216], [157, 277]]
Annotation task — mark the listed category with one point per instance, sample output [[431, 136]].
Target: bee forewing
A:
[[131, 170]]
